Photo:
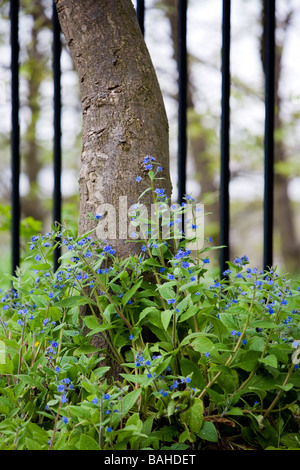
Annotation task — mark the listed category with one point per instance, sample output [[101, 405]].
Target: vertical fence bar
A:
[[140, 13], [15, 135], [182, 98], [225, 137], [57, 126], [269, 132]]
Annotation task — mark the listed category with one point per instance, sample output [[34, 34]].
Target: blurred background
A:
[[204, 36]]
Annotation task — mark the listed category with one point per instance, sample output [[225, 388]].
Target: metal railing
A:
[[182, 124]]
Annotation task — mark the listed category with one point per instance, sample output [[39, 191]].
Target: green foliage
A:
[[220, 367]]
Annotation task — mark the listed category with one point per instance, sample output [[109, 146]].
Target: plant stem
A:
[[233, 355], [55, 425], [280, 392]]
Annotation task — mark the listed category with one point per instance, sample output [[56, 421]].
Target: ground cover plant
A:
[[220, 369]]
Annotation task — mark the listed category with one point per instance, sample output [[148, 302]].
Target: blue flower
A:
[[106, 396], [206, 260], [171, 301], [65, 420], [64, 398], [160, 192], [38, 258], [138, 179], [109, 429], [66, 381], [94, 400]]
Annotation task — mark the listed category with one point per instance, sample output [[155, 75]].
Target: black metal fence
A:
[[182, 124]]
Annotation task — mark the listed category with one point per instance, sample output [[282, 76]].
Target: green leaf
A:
[[166, 290], [187, 367], [235, 412], [144, 313], [91, 322], [247, 361], [30, 381], [219, 327], [41, 267], [32, 445], [166, 316], [131, 292], [129, 400], [265, 324], [270, 360], [85, 349], [193, 336], [208, 432], [109, 310], [190, 312], [88, 443], [193, 417], [100, 328], [139, 379], [72, 301], [55, 313], [182, 305], [5, 405], [202, 344]]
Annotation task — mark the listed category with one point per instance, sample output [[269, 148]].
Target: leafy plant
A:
[[218, 368]]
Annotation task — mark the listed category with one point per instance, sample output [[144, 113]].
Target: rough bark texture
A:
[[124, 118]]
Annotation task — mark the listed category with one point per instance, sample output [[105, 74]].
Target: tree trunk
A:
[[124, 118]]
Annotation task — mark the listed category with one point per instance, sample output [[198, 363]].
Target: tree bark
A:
[[124, 117]]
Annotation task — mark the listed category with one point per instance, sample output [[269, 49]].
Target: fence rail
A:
[[182, 124]]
